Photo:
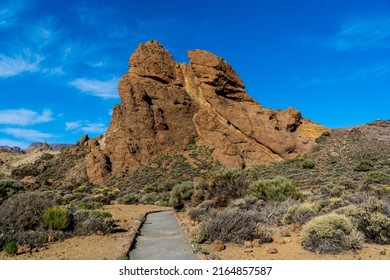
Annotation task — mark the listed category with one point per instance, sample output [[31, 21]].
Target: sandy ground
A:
[[94, 247], [286, 246]]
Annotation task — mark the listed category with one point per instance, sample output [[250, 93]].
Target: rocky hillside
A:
[[165, 104]]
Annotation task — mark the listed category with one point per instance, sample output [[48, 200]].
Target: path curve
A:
[[161, 238]]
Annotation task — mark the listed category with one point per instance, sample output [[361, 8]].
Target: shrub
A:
[[11, 248], [130, 198], [199, 235], [378, 228], [55, 218], [149, 198], [86, 223], [263, 233], [377, 177], [88, 205], [330, 234], [364, 166], [21, 215], [9, 187], [228, 185], [99, 214], [271, 212], [231, 225], [278, 189], [300, 213], [308, 164], [181, 193]]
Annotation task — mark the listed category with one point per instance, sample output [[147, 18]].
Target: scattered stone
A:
[[248, 244], [219, 245], [286, 240], [212, 257], [285, 232], [248, 250], [256, 243], [383, 252], [272, 251]]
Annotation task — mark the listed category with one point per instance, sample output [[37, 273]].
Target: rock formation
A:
[[164, 103]]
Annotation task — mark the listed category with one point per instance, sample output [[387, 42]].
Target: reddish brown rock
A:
[[272, 251], [164, 104], [219, 245]]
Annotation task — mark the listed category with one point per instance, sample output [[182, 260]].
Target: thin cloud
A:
[[24, 117], [9, 11], [27, 134], [376, 73], [86, 127], [105, 89], [20, 63], [361, 34]]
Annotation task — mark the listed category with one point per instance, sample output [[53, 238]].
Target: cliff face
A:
[[164, 103]]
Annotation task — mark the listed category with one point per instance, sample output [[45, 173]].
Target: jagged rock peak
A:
[[164, 103]]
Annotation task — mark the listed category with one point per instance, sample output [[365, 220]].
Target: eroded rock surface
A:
[[164, 103]]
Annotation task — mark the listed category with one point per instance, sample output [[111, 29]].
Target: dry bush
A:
[[271, 212], [21, 216], [226, 186], [231, 225], [86, 222], [300, 213]]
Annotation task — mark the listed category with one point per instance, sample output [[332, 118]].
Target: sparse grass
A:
[[11, 248]]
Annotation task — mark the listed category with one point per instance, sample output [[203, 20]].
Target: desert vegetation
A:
[[339, 194]]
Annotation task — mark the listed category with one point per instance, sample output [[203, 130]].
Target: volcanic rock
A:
[[164, 104]]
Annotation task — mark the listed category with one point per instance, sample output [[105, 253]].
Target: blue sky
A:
[[60, 61]]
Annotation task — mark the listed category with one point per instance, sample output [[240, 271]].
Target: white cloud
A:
[[361, 34], [27, 134], [86, 127], [15, 65], [104, 89], [24, 117]]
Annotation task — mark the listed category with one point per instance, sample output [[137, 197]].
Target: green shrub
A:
[[9, 187], [130, 198], [378, 228], [308, 164], [55, 218], [181, 193], [364, 166], [99, 214], [331, 233], [88, 206], [199, 235], [278, 189], [378, 177], [11, 248]]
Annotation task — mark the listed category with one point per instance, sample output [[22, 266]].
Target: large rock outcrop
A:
[[164, 103]]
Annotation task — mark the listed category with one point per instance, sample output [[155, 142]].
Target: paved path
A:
[[161, 238]]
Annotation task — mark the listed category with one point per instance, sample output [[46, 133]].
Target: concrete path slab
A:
[[161, 238]]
